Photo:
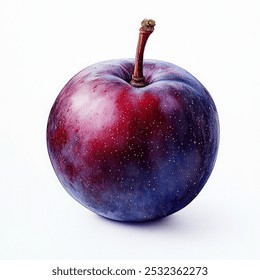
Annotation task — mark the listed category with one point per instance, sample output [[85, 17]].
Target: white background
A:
[[44, 43]]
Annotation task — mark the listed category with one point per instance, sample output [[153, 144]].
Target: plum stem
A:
[[147, 27]]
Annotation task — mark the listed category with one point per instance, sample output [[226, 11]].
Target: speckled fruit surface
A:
[[133, 154]]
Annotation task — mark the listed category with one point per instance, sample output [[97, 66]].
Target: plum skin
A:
[[133, 154]]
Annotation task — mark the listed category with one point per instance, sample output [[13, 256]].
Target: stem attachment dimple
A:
[[147, 27]]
